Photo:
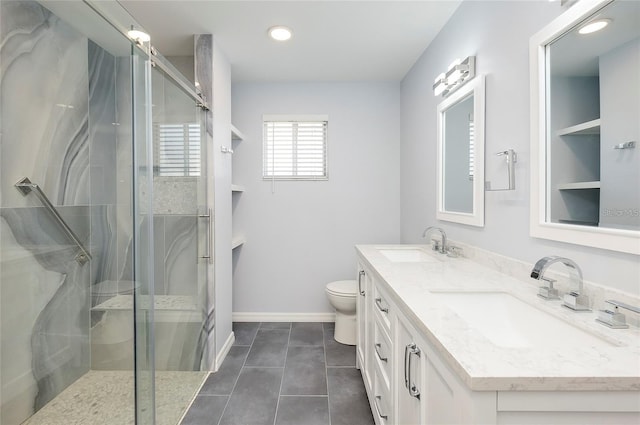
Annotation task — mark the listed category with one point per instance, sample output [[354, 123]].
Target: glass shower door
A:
[[182, 224]]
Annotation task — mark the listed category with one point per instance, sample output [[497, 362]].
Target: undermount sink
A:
[[406, 255], [509, 322]]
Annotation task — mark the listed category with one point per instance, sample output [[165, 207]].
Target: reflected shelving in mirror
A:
[[584, 103]]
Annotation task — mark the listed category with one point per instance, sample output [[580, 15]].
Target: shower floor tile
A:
[[106, 398]]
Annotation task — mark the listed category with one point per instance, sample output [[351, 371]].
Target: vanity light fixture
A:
[[594, 26], [458, 73], [280, 33], [440, 84]]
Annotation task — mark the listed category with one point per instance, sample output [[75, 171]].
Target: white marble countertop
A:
[[485, 366]]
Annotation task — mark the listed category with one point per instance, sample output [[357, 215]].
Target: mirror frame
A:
[[607, 238], [474, 87]]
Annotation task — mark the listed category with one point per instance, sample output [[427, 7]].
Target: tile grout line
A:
[[326, 370], [238, 377], [275, 416]]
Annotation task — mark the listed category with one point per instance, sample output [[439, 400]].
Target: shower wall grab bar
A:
[[25, 186]]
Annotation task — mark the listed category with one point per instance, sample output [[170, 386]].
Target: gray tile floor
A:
[[283, 374]]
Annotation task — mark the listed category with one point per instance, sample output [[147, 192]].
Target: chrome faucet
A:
[[442, 248], [614, 318], [573, 300]]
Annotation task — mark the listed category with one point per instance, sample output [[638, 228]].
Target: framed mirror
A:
[[585, 127], [461, 155]]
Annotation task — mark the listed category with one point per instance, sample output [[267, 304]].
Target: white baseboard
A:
[[222, 354], [284, 317]]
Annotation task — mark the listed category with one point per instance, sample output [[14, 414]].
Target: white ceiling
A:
[[353, 40]]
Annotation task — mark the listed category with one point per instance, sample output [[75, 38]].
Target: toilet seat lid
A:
[[343, 287]]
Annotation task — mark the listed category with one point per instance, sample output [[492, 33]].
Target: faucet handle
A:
[[612, 318], [548, 292], [435, 244], [576, 301], [454, 251]]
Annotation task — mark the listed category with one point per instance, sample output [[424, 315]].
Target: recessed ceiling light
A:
[[594, 26], [138, 35], [280, 33]]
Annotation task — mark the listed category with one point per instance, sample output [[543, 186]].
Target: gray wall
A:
[[302, 235], [498, 33]]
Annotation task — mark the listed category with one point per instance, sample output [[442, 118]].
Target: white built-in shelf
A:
[[236, 134], [579, 185], [237, 241], [237, 188], [585, 128]]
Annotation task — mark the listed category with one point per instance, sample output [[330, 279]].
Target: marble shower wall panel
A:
[[124, 169], [180, 256], [175, 254], [158, 253], [104, 265], [44, 304], [44, 75], [44, 316], [24, 296], [102, 139], [102, 124]]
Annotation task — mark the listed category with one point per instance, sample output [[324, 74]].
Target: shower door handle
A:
[[209, 217]]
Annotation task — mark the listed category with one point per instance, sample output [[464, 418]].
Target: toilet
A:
[[342, 296]]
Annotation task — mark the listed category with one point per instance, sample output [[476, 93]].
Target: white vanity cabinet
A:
[[427, 390], [410, 377], [363, 320], [406, 381], [374, 350], [413, 377]]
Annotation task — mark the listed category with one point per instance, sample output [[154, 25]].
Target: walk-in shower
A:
[[105, 229]]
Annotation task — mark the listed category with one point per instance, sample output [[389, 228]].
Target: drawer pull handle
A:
[[377, 348], [413, 389], [406, 363], [380, 307], [375, 402], [360, 274]]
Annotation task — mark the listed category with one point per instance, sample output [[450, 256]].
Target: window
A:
[[177, 149], [295, 148]]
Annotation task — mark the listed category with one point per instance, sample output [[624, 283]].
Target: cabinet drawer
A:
[[382, 351], [382, 403], [382, 307]]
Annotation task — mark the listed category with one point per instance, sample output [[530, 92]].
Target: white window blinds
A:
[[295, 149], [177, 149]]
